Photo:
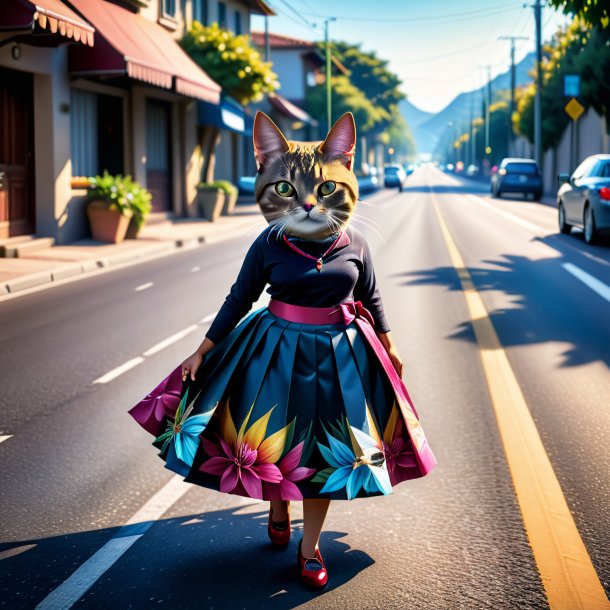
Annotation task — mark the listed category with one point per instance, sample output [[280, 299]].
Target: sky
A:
[[438, 48]]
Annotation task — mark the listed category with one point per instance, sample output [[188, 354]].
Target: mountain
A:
[[428, 132]]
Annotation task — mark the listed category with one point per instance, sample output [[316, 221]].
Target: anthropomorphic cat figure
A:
[[306, 189]]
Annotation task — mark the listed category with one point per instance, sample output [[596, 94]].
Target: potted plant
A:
[[230, 191], [211, 200], [108, 208], [139, 201], [117, 207]]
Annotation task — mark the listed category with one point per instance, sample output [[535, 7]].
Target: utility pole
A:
[[487, 113], [537, 100], [267, 38], [513, 83], [328, 83]]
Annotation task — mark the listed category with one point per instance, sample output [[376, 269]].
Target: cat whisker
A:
[[371, 227]]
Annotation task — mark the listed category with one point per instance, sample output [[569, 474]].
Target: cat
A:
[[305, 189]]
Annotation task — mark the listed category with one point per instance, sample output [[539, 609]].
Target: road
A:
[[76, 467]]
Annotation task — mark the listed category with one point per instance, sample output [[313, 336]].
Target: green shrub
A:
[[123, 194], [223, 185]]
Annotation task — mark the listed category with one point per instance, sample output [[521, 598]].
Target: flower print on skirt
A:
[[289, 410]]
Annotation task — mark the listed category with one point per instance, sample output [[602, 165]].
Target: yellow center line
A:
[[566, 570]]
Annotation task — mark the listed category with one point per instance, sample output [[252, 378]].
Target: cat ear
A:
[[341, 139], [268, 139]]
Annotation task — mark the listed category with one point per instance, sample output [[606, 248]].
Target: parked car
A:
[[516, 175], [583, 199], [409, 168], [394, 175], [472, 170]]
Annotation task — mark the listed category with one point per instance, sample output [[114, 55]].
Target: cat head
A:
[[306, 189]]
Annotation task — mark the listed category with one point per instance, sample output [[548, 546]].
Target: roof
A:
[[51, 15], [282, 105], [278, 41], [259, 7], [128, 44]]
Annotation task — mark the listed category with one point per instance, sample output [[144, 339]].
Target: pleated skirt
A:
[[286, 410]]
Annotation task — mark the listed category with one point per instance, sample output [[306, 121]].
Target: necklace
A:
[[319, 261]]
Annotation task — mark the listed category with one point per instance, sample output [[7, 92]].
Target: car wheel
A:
[[589, 224], [564, 227], [537, 195]]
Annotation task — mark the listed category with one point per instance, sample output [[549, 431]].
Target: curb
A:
[[39, 278]]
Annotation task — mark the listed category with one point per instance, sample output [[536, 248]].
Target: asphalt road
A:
[[76, 467]]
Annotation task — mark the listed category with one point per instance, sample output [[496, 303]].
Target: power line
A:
[[299, 17], [463, 50], [452, 17]]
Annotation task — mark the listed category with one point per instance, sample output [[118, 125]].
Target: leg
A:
[[314, 513], [280, 510]]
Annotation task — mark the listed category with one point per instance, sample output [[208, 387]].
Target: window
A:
[[222, 14], [96, 133], [238, 29], [200, 11], [605, 170], [584, 169], [169, 7]]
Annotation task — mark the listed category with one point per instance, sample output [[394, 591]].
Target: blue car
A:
[[516, 175]]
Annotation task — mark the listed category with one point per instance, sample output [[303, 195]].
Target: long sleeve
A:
[[366, 290], [245, 291]]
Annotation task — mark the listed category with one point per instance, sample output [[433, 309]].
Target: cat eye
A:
[[284, 189], [326, 188]]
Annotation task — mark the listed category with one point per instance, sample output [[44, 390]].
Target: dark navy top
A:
[[347, 274]]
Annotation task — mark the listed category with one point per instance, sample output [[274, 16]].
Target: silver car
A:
[[583, 199]]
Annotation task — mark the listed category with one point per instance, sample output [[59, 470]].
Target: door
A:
[[17, 213], [574, 198], [158, 155]]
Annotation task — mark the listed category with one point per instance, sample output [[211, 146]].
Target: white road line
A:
[[144, 286], [5, 437], [119, 370], [516, 219], [76, 585], [175, 337], [587, 279], [208, 318]]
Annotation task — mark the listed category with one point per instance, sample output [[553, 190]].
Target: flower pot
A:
[[132, 229], [211, 202], [106, 224], [229, 203]]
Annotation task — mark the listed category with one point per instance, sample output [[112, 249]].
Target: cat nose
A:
[[308, 206]]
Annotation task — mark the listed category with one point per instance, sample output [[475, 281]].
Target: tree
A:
[[399, 136], [578, 49], [594, 13], [230, 61], [344, 97]]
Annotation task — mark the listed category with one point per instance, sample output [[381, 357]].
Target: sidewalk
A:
[[156, 239]]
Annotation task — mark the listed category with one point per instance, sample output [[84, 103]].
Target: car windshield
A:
[[392, 170], [521, 168]]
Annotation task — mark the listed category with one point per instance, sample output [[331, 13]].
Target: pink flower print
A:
[[244, 457], [291, 473], [396, 446], [159, 404]]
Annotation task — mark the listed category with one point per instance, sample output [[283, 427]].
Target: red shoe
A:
[[279, 533], [313, 570]]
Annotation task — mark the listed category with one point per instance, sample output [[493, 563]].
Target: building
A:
[[88, 85]]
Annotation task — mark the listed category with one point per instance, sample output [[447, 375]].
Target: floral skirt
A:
[[286, 410]]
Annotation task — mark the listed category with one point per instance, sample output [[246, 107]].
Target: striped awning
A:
[[126, 43], [50, 15]]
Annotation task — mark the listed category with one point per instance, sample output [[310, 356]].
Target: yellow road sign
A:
[[574, 109]]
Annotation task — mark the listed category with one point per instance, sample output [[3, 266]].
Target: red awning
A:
[[282, 105], [51, 15], [128, 44]]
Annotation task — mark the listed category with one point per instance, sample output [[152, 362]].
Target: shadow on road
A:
[[218, 559], [546, 304]]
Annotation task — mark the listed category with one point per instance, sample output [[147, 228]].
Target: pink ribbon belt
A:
[[346, 313]]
